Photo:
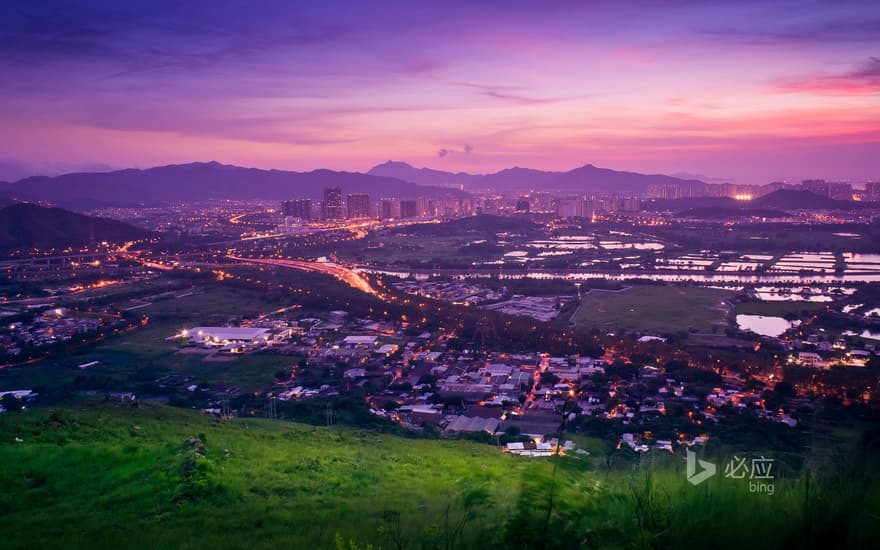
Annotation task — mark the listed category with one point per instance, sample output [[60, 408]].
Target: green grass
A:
[[111, 475], [654, 308]]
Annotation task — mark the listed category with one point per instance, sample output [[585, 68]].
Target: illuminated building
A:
[[389, 209], [333, 208], [358, 206], [297, 208], [408, 208]]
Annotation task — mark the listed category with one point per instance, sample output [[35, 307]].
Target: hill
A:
[[584, 179], [24, 225], [136, 476], [790, 200], [718, 213], [204, 181], [679, 205], [770, 205]]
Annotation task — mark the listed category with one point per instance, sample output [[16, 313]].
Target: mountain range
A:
[[200, 181], [585, 179], [203, 181]]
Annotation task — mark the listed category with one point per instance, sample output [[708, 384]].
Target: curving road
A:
[[344, 274]]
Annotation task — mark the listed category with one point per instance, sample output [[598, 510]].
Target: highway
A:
[[347, 276]]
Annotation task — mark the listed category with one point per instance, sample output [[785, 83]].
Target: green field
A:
[[132, 361], [655, 309], [111, 475]]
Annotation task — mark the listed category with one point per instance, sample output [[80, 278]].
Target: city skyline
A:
[[747, 93]]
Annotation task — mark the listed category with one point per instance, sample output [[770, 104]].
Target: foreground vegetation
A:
[[102, 475]]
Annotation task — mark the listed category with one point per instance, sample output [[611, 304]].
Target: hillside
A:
[[586, 178], [718, 213], [679, 205], [203, 181], [770, 205], [24, 225], [785, 199], [112, 475]]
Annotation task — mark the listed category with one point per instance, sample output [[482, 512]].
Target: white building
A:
[[224, 336]]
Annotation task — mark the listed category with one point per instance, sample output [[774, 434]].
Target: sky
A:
[[746, 91]]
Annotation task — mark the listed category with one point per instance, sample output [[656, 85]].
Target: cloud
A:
[[449, 152], [860, 81], [822, 30], [511, 94], [516, 98]]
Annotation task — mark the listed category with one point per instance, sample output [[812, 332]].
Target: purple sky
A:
[[742, 91]]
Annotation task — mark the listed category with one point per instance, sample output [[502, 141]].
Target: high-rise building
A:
[[678, 190], [627, 204], [819, 187], [358, 206], [408, 208], [872, 191], [425, 206], [446, 206], [333, 208], [570, 207], [389, 209], [771, 188], [840, 191], [297, 208], [522, 205]]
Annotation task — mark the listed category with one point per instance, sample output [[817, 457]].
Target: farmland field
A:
[[655, 309]]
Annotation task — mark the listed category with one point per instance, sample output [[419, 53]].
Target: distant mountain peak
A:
[[199, 181], [395, 163], [583, 179]]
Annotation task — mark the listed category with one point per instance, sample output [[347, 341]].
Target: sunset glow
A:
[[748, 92]]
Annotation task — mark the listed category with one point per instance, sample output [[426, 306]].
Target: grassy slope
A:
[[101, 477], [653, 308], [107, 475]]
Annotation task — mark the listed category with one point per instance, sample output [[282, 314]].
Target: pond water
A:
[[678, 277], [763, 325]]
